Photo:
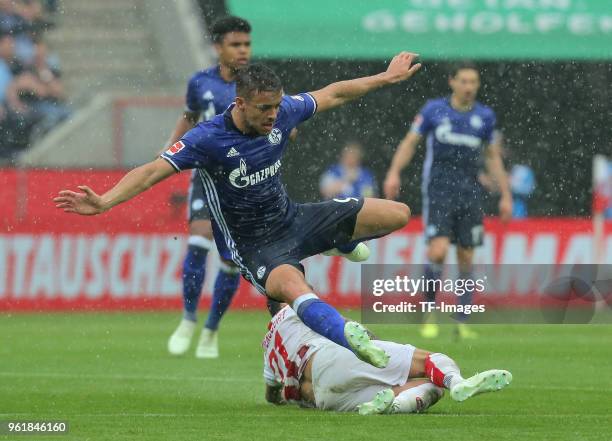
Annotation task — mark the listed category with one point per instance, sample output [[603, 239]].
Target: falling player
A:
[[301, 366], [209, 93], [267, 233], [458, 130]]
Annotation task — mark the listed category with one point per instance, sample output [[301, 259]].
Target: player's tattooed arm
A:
[[336, 94], [274, 395], [132, 184]]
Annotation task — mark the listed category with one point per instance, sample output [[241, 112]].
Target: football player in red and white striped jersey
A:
[[301, 366]]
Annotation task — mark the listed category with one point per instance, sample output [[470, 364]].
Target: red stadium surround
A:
[[131, 257]]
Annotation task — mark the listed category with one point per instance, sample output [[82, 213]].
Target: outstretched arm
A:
[[133, 183], [337, 94]]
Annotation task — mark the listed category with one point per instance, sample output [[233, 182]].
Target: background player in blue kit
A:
[[348, 178], [209, 93], [267, 233], [459, 131]]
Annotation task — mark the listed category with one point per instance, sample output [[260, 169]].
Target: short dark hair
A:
[[226, 25], [461, 65], [256, 78]]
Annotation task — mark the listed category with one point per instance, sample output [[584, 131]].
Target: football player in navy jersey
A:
[[209, 93], [459, 133], [238, 157]]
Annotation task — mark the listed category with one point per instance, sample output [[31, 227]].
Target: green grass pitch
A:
[[110, 377]]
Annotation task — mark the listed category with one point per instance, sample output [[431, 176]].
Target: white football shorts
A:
[[341, 381]]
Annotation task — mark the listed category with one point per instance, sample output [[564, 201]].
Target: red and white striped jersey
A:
[[288, 345]]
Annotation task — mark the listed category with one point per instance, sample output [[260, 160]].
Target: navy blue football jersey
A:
[[208, 93], [241, 173], [455, 142]]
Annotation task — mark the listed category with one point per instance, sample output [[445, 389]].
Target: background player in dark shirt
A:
[[267, 233], [209, 93], [459, 131]]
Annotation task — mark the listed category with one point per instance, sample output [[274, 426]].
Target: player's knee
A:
[[405, 213], [436, 254], [402, 215], [437, 250], [285, 284], [285, 292]]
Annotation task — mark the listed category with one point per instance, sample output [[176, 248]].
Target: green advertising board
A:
[[437, 29]]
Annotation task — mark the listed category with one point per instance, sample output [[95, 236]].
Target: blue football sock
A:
[[321, 318], [466, 298], [226, 285], [194, 270], [433, 271]]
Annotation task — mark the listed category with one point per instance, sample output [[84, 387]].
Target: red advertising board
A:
[[131, 257]]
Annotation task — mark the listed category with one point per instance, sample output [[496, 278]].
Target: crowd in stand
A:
[[32, 97]]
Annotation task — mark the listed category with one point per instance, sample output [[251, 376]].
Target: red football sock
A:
[[442, 370]]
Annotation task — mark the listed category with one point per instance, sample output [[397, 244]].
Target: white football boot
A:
[[361, 253], [487, 381], [208, 346], [180, 340]]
